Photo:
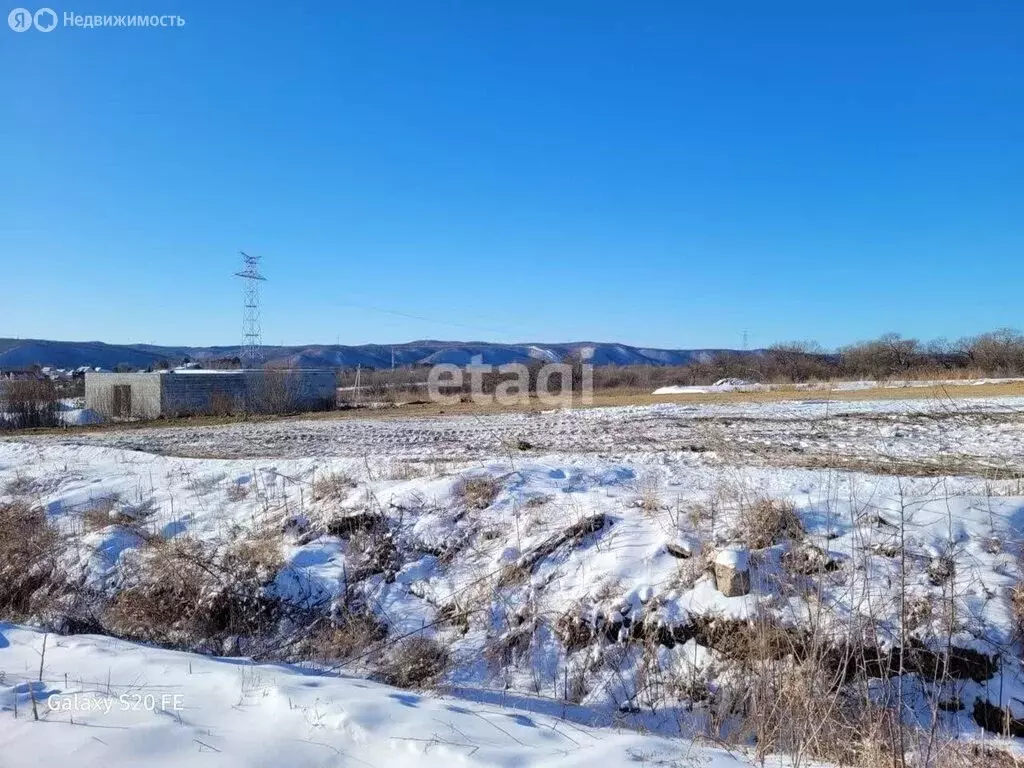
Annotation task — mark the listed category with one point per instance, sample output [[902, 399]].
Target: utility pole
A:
[[252, 334]]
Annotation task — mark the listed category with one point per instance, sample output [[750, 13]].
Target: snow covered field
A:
[[106, 702], [979, 435], [565, 563], [740, 385]]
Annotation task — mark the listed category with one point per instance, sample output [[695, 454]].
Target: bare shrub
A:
[[373, 550], [96, 519], [274, 391], [648, 495], [1017, 607], [222, 404], [21, 485], [957, 754], [407, 470], [796, 708], [332, 486], [414, 662], [186, 593], [476, 491], [98, 515], [29, 404], [688, 573], [352, 634], [28, 555], [237, 491], [259, 556], [768, 521]]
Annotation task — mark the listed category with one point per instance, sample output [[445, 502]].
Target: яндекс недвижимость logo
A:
[[22, 19], [46, 20]]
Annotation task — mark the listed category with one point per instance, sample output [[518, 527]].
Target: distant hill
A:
[[22, 353]]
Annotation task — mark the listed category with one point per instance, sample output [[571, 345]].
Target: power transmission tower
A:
[[744, 339], [252, 334]]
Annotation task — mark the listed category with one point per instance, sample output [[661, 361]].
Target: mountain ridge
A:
[[22, 353]]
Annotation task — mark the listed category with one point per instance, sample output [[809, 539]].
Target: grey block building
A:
[[204, 392]]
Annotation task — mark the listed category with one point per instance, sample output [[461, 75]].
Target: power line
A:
[[252, 333]]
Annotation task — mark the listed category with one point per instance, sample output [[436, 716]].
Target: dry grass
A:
[[98, 516], [414, 662], [28, 555], [351, 635], [768, 521], [22, 485], [185, 593], [260, 556], [648, 494], [332, 486], [237, 491], [1017, 606], [959, 754], [476, 491]]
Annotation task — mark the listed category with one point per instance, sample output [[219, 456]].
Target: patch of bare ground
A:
[[940, 466], [956, 394]]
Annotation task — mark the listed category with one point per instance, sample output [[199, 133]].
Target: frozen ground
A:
[[976, 436], [740, 385], [577, 585], [104, 702]]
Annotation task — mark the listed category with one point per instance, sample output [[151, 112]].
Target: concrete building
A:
[[189, 392]]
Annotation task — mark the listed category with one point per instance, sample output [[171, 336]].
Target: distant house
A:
[[187, 392], [22, 374]]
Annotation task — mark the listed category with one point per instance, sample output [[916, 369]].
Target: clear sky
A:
[[654, 173]]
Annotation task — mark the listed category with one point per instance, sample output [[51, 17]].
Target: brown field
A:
[[624, 397], [602, 399]]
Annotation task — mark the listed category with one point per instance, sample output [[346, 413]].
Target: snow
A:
[[722, 385], [740, 385], [733, 557], [651, 476], [104, 702], [986, 429], [80, 417]]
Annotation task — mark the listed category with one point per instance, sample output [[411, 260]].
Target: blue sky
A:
[[655, 173]]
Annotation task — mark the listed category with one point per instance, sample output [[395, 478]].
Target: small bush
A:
[[767, 522], [98, 515], [332, 485], [477, 491], [21, 485], [29, 404], [414, 662], [353, 634], [972, 755], [260, 558], [1017, 606], [185, 593], [238, 491], [28, 555], [648, 495]]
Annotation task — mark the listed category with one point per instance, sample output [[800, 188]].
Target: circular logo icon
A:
[[45, 20], [20, 19]]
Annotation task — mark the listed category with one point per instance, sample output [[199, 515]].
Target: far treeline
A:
[[891, 356], [996, 354]]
